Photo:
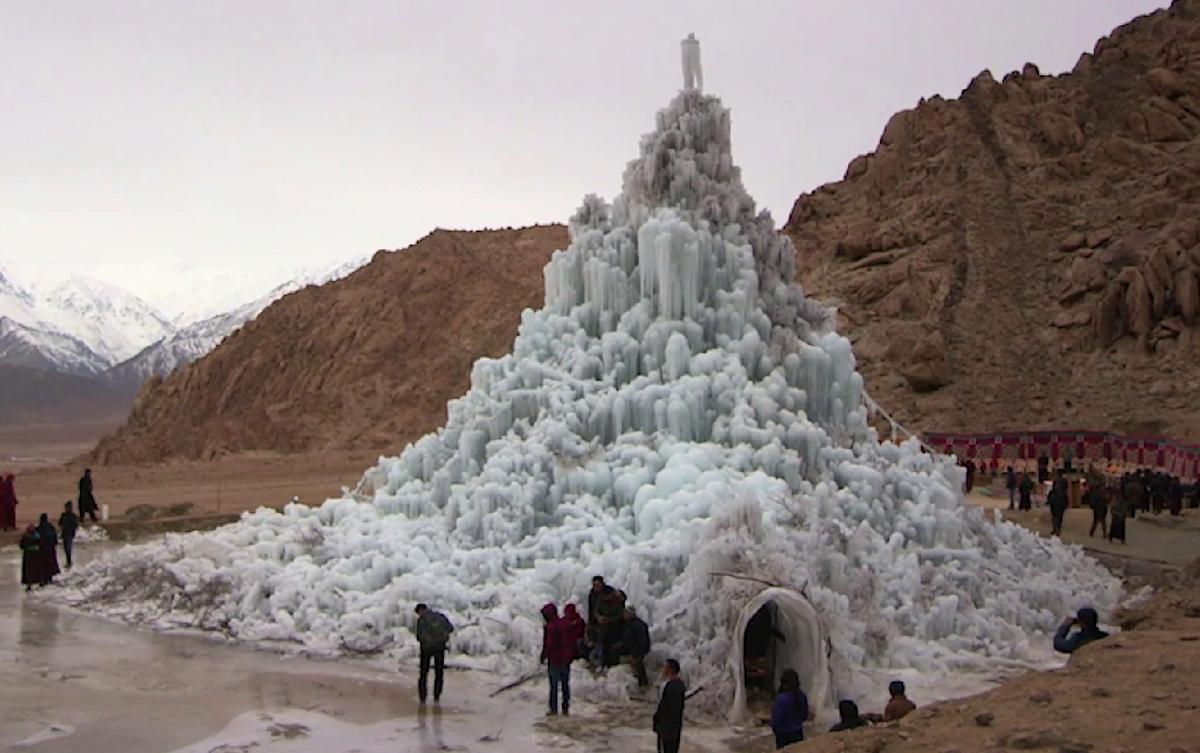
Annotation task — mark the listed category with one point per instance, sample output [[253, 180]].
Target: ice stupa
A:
[[677, 417]]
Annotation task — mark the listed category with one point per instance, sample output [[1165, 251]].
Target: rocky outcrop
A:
[[1029, 253], [368, 361]]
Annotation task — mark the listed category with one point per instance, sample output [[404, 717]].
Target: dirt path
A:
[[229, 484], [1157, 538]]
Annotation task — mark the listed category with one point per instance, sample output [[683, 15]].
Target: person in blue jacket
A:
[[1087, 621], [790, 710]]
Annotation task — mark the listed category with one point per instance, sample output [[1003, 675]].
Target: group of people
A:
[[39, 542], [790, 710], [39, 548], [1111, 501]]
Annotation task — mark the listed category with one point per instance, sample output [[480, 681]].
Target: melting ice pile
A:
[[676, 409]]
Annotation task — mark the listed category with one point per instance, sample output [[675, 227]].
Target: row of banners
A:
[[1084, 447]]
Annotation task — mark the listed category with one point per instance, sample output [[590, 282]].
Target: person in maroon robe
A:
[[8, 504], [31, 559]]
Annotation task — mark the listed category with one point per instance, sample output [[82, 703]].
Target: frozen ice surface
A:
[[676, 409]]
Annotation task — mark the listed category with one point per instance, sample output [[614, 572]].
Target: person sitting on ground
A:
[[31, 559], [789, 712], [48, 540], [1087, 620], [576, 629], [898, 706], [668, 717], [850, 719], [433, 633], [634, 645], [68, 523]]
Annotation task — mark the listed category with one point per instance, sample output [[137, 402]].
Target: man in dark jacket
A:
[[68, 524], [634, 645], [433, 633], [1087, 620], [1026, 492], [594, 595], [87, 500], [1010, 483], [608, 623], [668, 717]]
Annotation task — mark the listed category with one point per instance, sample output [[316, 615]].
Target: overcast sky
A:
[[138, 138]]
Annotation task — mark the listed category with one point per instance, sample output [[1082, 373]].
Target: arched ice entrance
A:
[[803, 647]]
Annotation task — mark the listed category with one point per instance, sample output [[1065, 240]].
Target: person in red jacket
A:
[[557, 654], [576, 628]]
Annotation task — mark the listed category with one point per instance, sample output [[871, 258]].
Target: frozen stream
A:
[[72, 682]]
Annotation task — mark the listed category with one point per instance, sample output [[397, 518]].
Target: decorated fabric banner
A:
[[1084, 447]]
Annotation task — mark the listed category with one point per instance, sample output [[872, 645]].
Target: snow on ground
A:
[[676, 409]]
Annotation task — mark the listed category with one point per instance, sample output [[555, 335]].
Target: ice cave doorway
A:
[[776, 630]]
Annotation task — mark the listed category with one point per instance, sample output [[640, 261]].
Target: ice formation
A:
[[679, 418]]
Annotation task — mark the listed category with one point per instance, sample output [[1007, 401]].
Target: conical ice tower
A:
[[678, 418]]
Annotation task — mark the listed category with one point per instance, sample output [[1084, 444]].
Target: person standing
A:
[[1058, 504], [1097, 499], [8, 503], [1010, 483], [1120, 510], [668, 717], [789, 712], [557, 654], [576, 629], [1026, 492], [31, 559], [68, 523], [87, 500], [1175, 496], [594, 596], [48, 543], [433, 633]]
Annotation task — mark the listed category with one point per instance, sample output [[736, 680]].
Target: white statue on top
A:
[[693, 77]]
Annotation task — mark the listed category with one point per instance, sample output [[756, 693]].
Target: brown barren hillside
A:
[[1028, 255], [368, 361]]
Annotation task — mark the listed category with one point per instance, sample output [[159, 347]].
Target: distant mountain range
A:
[[94, 343]]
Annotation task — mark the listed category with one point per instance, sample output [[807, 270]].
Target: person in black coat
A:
[[31, 559], [68, 523], [668, 717], [48, 541], [87, 500], [635, 644], [1057, 501]]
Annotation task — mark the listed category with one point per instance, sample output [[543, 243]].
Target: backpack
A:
[[437, 630]]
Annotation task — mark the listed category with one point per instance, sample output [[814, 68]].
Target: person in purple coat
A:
[[789, 712]]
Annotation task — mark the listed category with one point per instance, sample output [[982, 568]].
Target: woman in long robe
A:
[[31, 559], [8, 504], [48, 540]]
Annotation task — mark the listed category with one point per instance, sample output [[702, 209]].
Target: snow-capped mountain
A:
[[195, 340], [71, 323]]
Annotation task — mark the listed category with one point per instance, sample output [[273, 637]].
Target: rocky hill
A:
[[368, 361], [1028, 255]]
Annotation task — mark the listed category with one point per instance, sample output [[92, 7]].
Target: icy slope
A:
[[676, 409]]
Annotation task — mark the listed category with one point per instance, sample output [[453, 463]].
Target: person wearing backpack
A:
[[433, 633]]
